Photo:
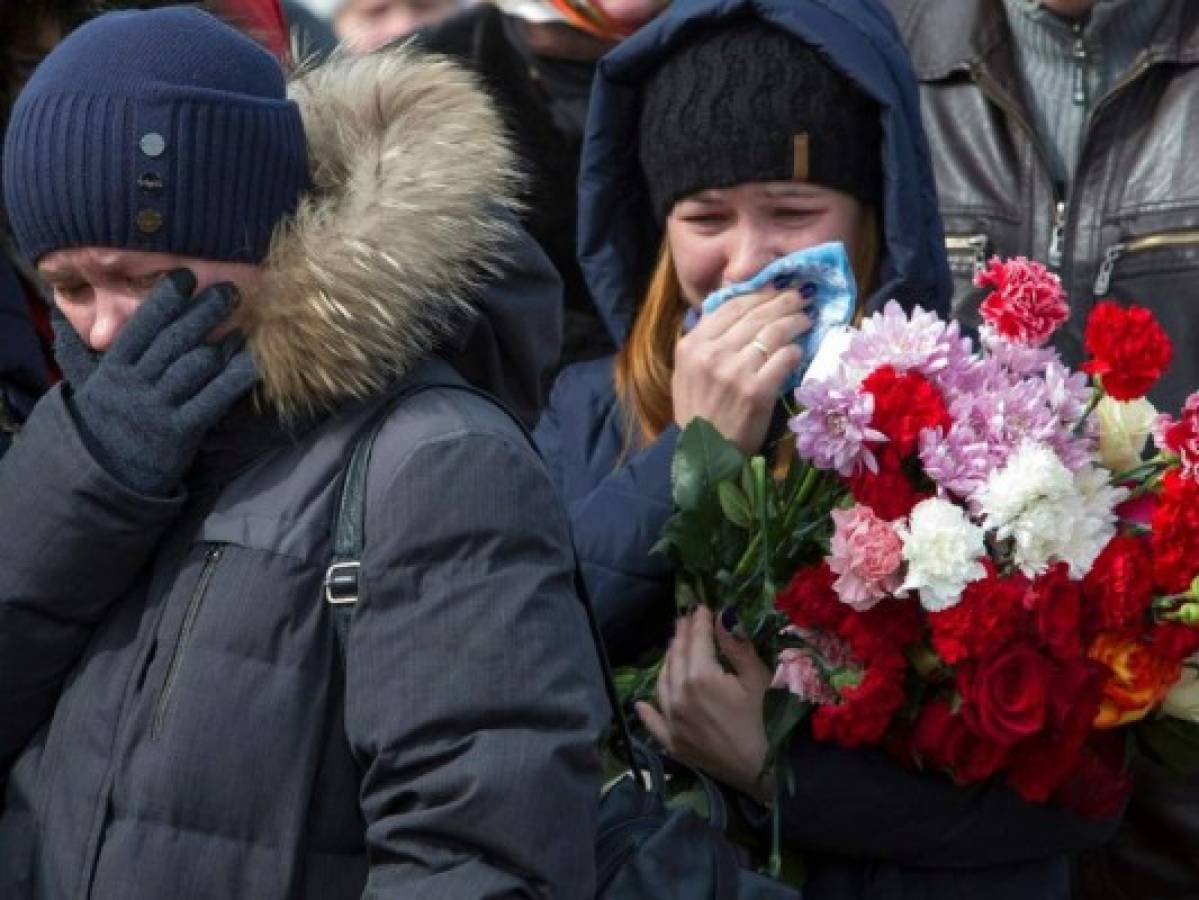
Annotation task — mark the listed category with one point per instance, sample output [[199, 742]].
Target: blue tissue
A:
[[822, 273]]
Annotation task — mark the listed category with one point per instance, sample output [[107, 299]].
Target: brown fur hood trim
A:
[[409, 163]]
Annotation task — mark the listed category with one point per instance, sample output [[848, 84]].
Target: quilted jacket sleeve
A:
[[72, 541], [474, 704]]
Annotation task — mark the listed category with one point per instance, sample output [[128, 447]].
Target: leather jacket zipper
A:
[[1103, 280], [973, 244], [211, 558], [993, 92]]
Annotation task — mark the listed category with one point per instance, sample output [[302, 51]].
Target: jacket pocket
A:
[[967, 253], [1118, 254], [211, 558]]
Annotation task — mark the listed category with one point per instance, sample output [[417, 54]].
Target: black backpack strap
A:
[[341, 586]]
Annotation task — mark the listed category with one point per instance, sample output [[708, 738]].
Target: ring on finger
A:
[[758, 345]]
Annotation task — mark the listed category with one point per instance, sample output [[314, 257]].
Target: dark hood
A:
[[618, 236]]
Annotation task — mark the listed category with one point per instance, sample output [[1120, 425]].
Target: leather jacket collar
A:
[[980, 39]]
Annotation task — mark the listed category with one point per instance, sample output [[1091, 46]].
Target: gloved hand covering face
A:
[[822, 273]]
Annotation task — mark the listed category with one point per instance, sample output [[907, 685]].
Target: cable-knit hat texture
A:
[[164, 130], [748, 102]]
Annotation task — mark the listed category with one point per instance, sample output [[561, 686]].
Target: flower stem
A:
[[1096, 395]]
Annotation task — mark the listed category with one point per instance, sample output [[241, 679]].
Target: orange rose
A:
[[1140, 678]]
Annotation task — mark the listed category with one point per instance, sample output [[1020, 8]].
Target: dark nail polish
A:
[[781, 282], [730, 620], [808, 291]]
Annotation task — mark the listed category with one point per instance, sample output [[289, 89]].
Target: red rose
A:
[[1119, 587], [1129, 349], [1027, 302], [1039, 766], [889, 492], [904, 405], [1006, 696], [1057, 606], [990, 613], [1175, 537], [809, 600], [942, 739]]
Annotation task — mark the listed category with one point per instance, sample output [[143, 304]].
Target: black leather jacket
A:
[[1128, 227]]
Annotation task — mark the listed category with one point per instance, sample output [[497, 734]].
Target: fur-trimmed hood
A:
[[405, 244]]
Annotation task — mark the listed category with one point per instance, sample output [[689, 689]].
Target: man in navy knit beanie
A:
[[247, 276]]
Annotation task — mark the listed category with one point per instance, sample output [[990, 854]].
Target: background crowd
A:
[[1059, 130]]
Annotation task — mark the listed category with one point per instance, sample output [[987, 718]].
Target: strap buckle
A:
[[341, 583]]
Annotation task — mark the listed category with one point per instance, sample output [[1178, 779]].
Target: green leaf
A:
[[702, 459], [782, 713], [735, 505]]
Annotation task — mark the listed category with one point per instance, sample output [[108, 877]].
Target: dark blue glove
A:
[[76, 359], [162, 387]]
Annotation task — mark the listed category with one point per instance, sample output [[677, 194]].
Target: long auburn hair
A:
[[645, 364]]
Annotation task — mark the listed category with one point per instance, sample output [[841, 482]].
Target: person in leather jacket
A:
[[1059, 130]]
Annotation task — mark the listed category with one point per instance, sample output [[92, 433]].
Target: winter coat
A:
[[23, 376], [1129, 226], [543, 103], [174, 721], [868, 829]]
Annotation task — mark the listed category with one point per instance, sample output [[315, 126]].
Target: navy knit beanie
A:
[[163, 131], [744, 101]]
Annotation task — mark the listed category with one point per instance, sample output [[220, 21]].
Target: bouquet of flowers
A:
[[966, 559]]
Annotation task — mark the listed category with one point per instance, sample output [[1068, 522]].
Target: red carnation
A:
[[865, 712], [1057, 606], [889, 492], [1175, 537], [1129, 349], [1182, 436], [904, 405], [1026, 304], [940, 738], [1119, 587], [990, 613], [809, 600], [1005, 697]]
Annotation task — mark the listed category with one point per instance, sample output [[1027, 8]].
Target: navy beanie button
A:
[[169, 103], [152, 144]]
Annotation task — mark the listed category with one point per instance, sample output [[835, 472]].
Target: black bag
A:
[[645, 850]]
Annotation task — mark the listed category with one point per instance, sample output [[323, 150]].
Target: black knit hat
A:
[[748, 102]]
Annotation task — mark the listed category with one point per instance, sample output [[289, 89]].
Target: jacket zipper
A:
[[1103, 281], [974, 244], [211, 558], [995, 94]]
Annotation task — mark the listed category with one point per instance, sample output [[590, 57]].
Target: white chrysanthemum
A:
[[1032, 475], [943, 551], [1048, 513], [1093, 521]]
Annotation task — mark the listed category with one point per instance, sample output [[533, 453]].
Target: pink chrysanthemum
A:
[[833, 431]]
